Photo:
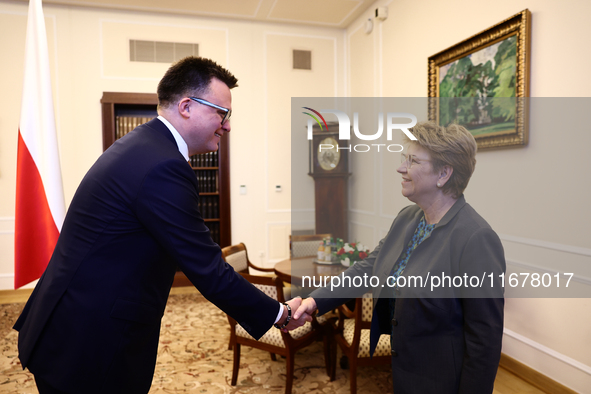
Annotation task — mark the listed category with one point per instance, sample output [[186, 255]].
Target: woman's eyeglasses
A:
[[409, 160]]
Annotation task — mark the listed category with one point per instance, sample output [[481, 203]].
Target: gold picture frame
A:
[[498, 86]]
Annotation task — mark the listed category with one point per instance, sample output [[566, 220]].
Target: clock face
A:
[[328, 158]]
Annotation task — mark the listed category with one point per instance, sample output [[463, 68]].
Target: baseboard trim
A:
[[533, 377], [14, 296]]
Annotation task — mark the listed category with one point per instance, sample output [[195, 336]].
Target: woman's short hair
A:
[[191, 76], [453, 146]]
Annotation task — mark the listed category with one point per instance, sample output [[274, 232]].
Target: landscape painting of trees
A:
[[482, 83], [473, 85]]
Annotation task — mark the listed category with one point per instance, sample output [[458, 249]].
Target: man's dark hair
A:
[[191, 76]]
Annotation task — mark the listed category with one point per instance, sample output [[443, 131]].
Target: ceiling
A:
[[329, 13]]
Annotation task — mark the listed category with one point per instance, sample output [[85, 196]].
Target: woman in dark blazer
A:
[[438, 291]]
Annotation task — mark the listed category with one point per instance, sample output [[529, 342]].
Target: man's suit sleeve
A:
[[483, 316], [167, 205]]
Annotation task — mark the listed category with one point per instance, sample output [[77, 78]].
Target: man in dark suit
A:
[[93, 321]]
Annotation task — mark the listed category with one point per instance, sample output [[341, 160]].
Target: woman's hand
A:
[[308, 306]]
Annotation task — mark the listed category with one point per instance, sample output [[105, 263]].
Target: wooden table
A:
[[294, 269]]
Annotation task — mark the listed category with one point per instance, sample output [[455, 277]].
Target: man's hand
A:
[[302, 311], [294, 323]]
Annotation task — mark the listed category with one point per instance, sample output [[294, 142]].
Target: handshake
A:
[[301, 312]]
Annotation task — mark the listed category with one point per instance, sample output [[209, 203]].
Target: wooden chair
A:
[[275, 341], [305, 245], [352, 335], [237, 257]]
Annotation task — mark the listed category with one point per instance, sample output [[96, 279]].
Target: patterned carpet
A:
[[193, 357]]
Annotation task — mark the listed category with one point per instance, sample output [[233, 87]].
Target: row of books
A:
[[208, 181], [209, 207], [124, 124], [210, 159], [214, 230]]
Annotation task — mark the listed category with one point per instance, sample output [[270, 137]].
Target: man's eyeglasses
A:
[[228, 112], [409, 160]]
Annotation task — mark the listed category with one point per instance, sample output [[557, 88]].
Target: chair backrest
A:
[[362, 313], [270, 285], [237, 257], [305, 245], [366, 308]]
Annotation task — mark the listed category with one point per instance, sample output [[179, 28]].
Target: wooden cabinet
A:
[[124, 105], [121, 112]]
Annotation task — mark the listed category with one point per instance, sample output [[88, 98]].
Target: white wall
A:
[[88, 56], [535, 200]]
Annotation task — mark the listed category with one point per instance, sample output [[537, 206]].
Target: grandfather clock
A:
[[329, 166]]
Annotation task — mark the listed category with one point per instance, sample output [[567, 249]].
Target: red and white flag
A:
[[40, 206]]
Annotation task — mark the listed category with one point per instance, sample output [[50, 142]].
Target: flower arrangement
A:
[[350, 253]]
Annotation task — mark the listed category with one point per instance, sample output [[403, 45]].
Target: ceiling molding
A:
[[325, 13]]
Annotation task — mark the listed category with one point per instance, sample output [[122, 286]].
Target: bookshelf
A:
[[121, 112]]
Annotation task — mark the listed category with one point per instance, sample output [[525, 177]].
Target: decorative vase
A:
[[347, 263]]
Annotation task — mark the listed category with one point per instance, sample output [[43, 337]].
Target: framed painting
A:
[[482, 83]]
